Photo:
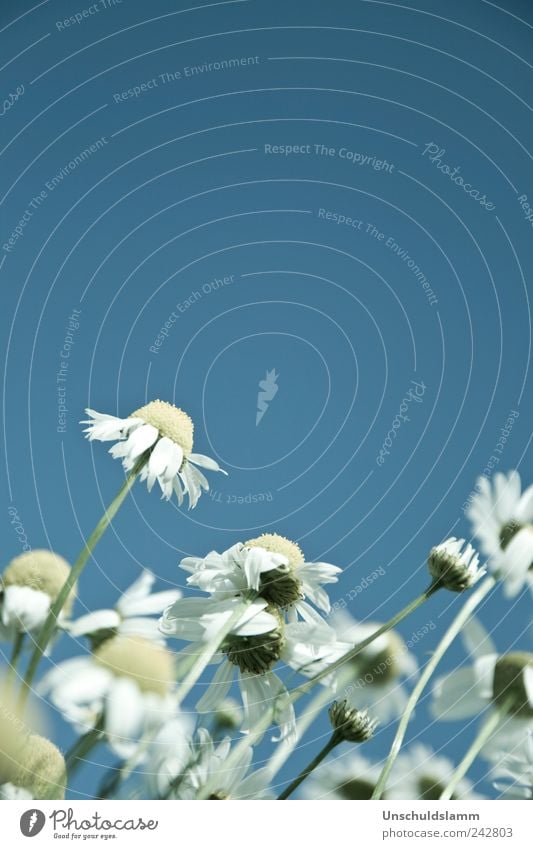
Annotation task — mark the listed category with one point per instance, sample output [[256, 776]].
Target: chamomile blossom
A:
[[125, 687], [344, 778], [379, 671], [29, 586], [419, 773], [255, 644], [271, 566], [492, 680], [201, 772], [162, 435], [502, 519], [132, 614]]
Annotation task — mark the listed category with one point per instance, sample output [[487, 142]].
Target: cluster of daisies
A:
[[182, 688]]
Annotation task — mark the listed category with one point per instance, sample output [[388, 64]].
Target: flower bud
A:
[[42, 769], [452, 569], [350, 724]]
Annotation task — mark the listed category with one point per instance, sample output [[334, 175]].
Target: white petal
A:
[[24, 608], [457, 696], [218, 688], [91, 622], [206, 462], [124, 712], [139, 589]]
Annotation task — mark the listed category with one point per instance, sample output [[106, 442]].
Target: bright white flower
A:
[[419, 773], [455, 569], [256, 643], [28, 588], [204, 767], [514, 773], [502, 518], [126, 686], [378, 670], [493, 679], [131, 615], [270, 565], [163, 435], [347, 777]]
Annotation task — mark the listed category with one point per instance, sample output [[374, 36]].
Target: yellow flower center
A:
[[170, 421], [280, 586], [41, 570], [148, 664], [508, 684]]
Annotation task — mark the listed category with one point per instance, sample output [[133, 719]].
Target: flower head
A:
[[159, 438], [350, 724], [28, 587], [41, 771], [271, 566], [125, 687], [502, 519], [452, 568]]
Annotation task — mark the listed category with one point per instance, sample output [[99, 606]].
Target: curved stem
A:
[[46, 632], [330, 745], [464, 614], [408, 609], [488, 727], [15, 654]]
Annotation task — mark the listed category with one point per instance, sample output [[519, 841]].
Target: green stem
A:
[[50, 624], [464, 614], [330, 745], [350, 655], [488, 727], [82, 747], [15, 654]]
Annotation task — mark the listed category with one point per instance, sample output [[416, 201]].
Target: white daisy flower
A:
[[256, 643], [273, 567], [28, 588], [379, 670], [163, 435], [514, 773], [419, 773], [205, 766], [502, 519], [350, 776], [131, 615], [493, 679], [125, 686], [454, 568]]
